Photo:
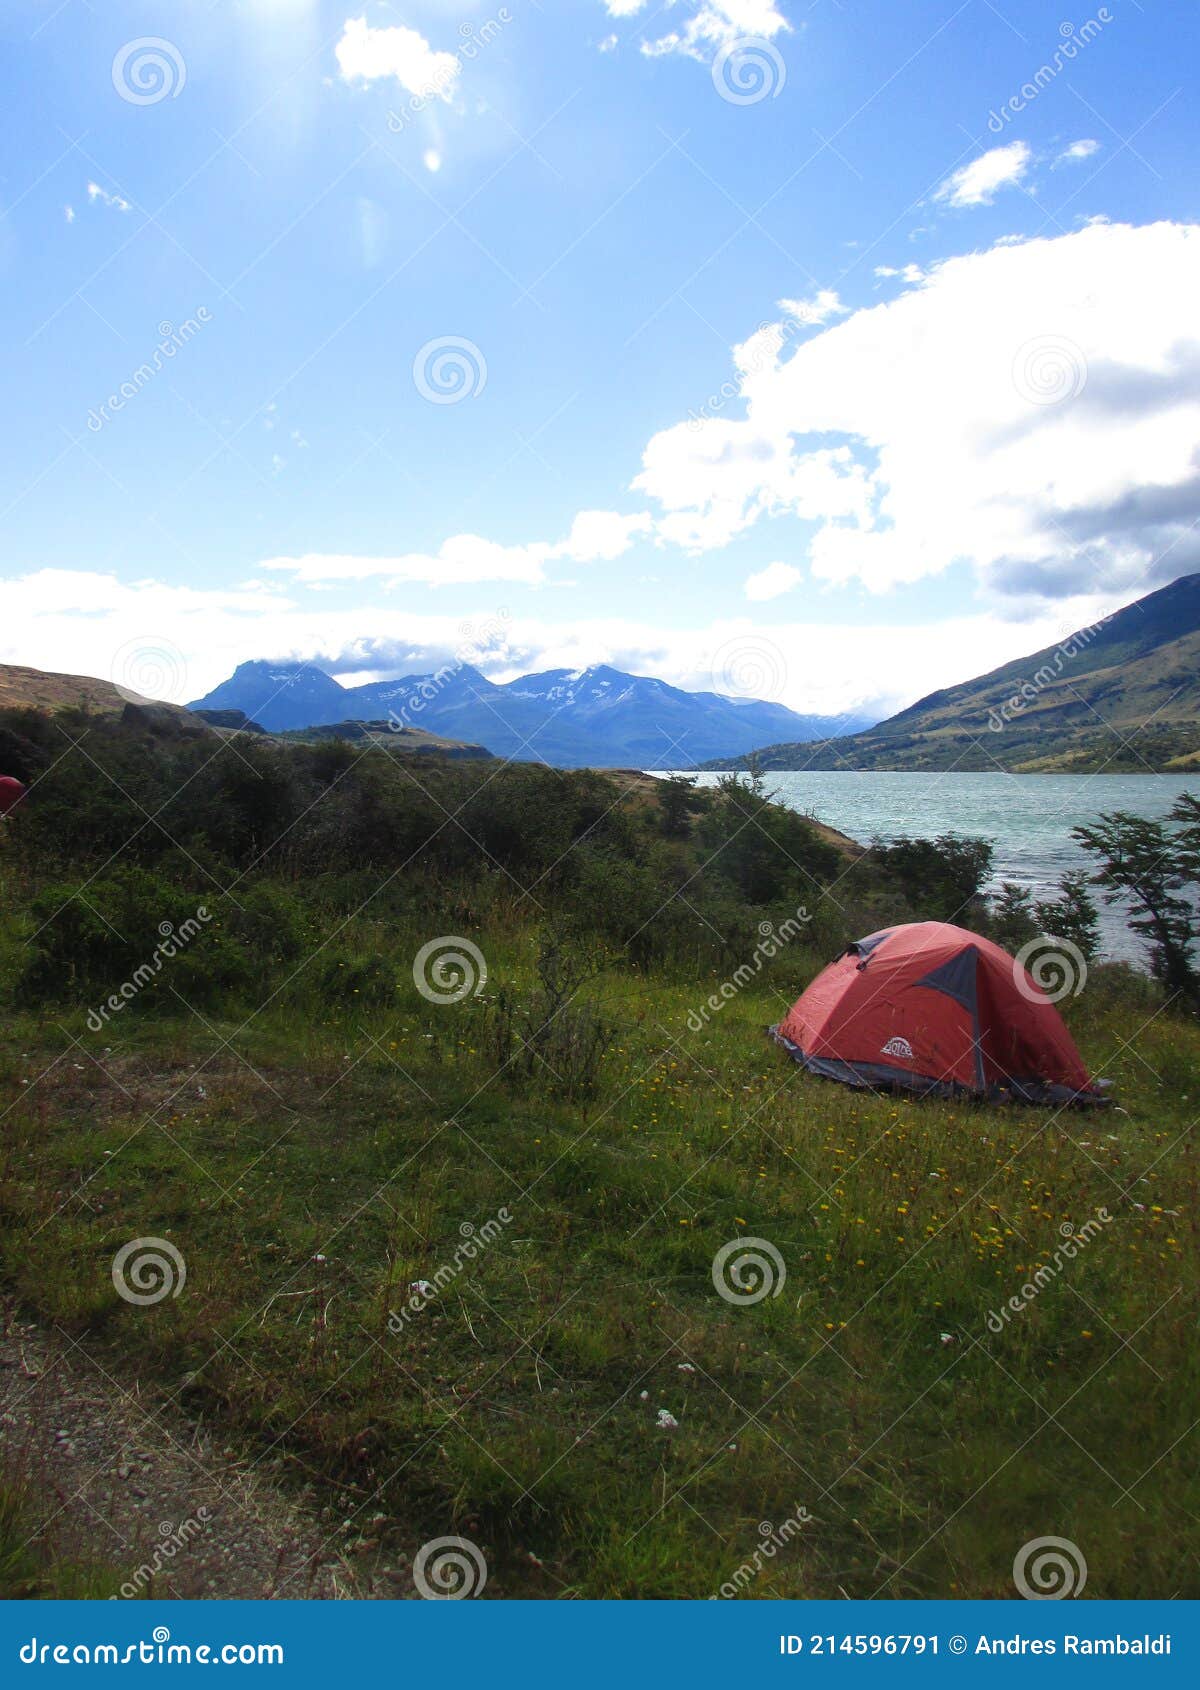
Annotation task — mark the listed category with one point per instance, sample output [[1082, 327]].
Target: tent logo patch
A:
[[898, 1047]]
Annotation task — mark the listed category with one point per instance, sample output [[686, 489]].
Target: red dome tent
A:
[[11, 794], [933, 1009]]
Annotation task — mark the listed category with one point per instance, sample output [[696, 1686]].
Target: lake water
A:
[[1028, 818]]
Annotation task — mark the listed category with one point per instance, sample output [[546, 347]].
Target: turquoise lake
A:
[[1028, 818]]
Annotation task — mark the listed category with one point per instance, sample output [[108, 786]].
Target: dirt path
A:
[[112, 1477]]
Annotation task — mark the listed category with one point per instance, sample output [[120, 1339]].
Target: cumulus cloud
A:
[[714, 478], [365, 54], [771, 582], [1032, 410], [979, 182], [602, 536], [708, 26]]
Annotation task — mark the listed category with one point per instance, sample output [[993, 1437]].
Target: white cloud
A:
[[464, 559], [97, 194], [911, 273], [469, 559], [601, 536], [771, 582], [366, 54], [979, 182], [83, 623], [709, 25], [1076, 151], [432, 160], [1031, 410], [715, 478], [819, 309]]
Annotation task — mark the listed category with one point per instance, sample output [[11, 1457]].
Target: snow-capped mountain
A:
[[599, 716]]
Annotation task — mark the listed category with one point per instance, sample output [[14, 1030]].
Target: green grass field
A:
[[312, 1165], [556, 1160]]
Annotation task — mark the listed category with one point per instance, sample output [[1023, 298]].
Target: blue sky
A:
[[453, 295]]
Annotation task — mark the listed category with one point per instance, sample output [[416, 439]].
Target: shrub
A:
[[549, 1042], [941, 878], [1072, 916], [1012, 916], [131, 929], [768, 852], [1157, 867]]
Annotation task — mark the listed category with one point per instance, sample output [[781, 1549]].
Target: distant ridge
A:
[[598, 716], [1122, 695], [37, 689]]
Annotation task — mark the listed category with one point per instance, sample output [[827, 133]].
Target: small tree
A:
[[941, 878], [677, 797], [1012, 915], [1144, 861], [1186, 812], [768, 851], [1073, 915]]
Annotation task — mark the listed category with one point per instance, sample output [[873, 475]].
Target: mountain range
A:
[[1120, 695], [598, 717]]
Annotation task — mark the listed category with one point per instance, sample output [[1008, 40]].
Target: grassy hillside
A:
[[38, 689], [1123, 696], [400, 740], [597, 1118]]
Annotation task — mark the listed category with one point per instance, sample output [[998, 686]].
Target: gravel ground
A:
[[146, 1492]]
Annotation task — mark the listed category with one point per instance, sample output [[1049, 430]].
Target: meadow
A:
[[450, 1264]]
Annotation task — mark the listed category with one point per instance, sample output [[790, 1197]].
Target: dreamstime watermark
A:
[[173, 940], [157, 1650], [1057, 968], [746, 1270], [774, 1539], [1031, 690], [148, 70], [146, 1270], [428, 688], [173, 1539], [771, 941], [1049, 369], [171, 341], [449, 969], [1072, 43], [1049, 1569], [149, 667], [748, 71], [475, 37], [749, 666], [1074, 1241], [449, 1569], [449, 370], [474, 1241]]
